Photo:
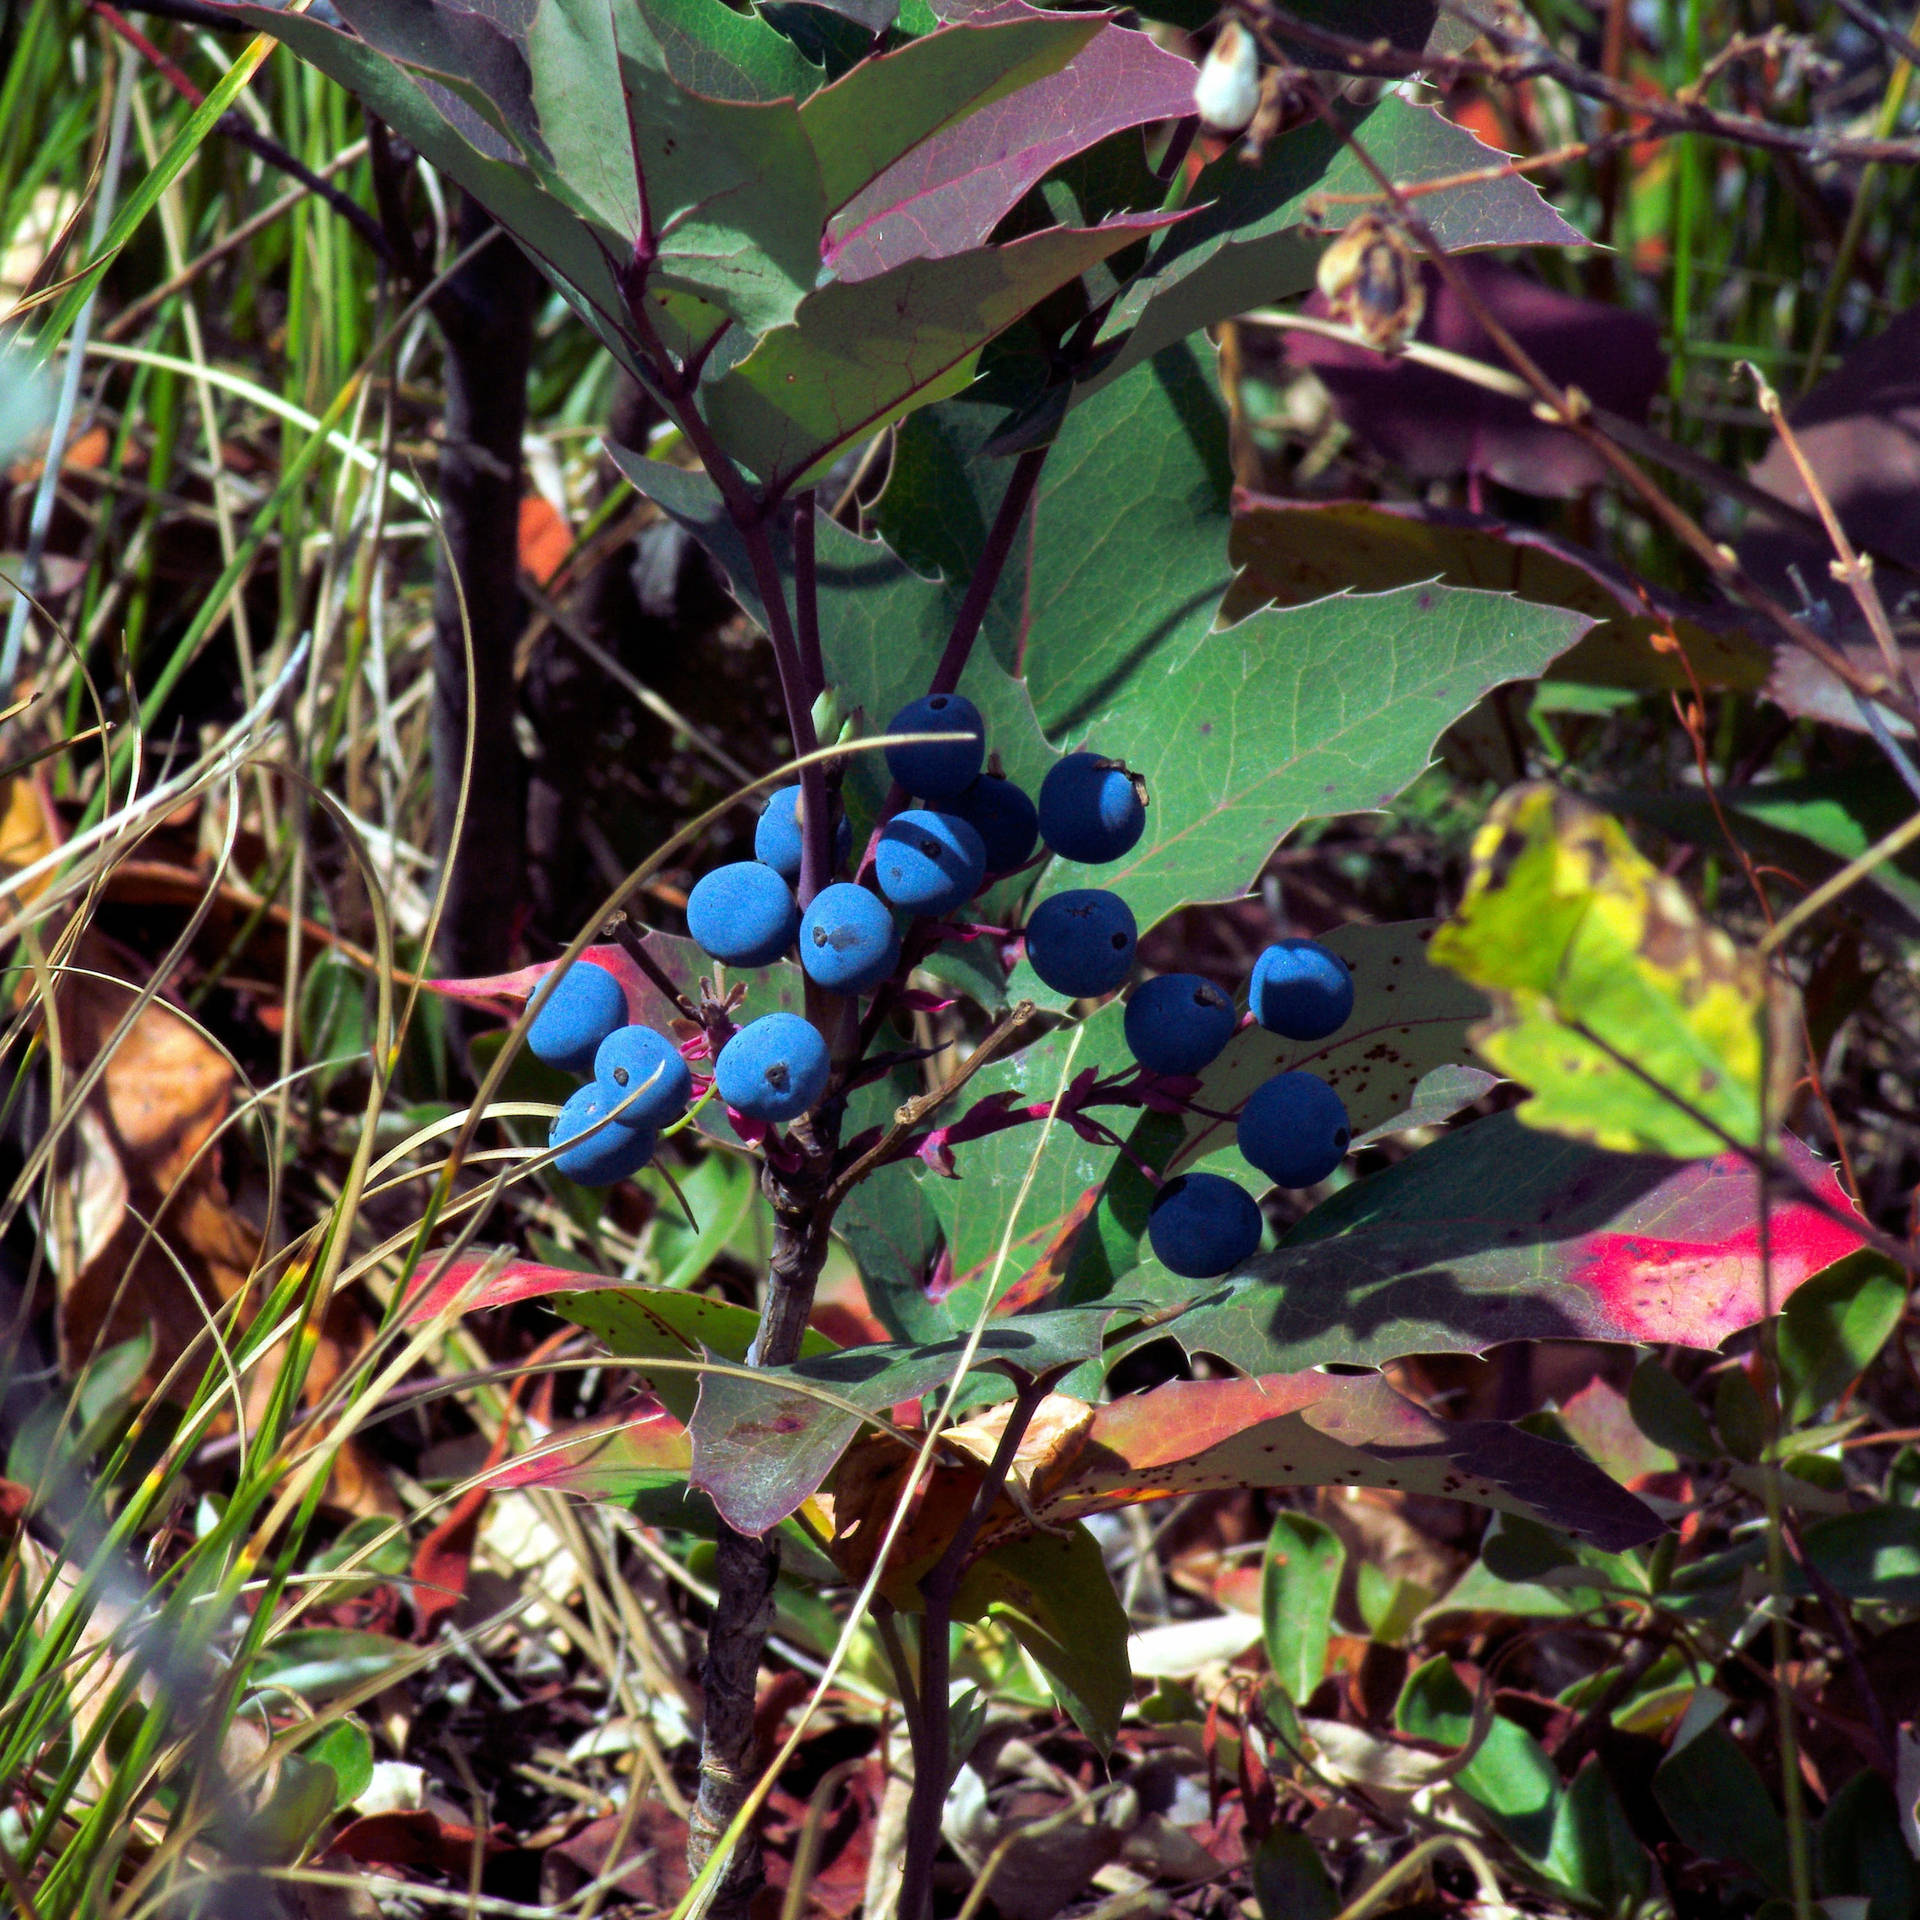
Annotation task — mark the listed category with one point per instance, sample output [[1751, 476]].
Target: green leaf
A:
[[1078, 609], [1863, 1852], [1638, 1025], [1249, 243], [1739, 1415], [318, 1662], [1509, 1775], [1060, 1171], [1052, 1593], [346, 1748], [1299, 1583], [1714, 1798], [726, 54], [1832, 1330], [1289, 1883], [1665, 1411], [858, 356], [1293, 715], [1594, 1853]]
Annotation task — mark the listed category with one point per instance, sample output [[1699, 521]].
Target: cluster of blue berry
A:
[[1293, 1128], [969, 828], [928, 861]]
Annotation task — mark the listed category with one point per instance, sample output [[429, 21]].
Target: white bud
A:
[[1228, 89]]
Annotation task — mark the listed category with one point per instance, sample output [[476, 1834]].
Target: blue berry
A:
[[614, 1153], [643, 1078], [1203, 1225], [938, 769], [743, 914], [1178, 1023], [774, 1068], [1300, 990], [1091, 809], [847, 939], [1081, 942], [929, 862], [776, 840], [1294, 1129], [1007, 822], [585, 1005]]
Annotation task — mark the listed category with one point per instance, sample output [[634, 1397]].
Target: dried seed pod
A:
[[1370, 278]]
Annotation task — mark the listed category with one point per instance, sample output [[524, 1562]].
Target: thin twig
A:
[[1853, 570]]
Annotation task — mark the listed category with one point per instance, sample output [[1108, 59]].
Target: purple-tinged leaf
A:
[[857, 357], [1498, 1233], [1250, 241], [1437, 427], [886, 108], [948, 193], [1292, 552], [641, 1447]]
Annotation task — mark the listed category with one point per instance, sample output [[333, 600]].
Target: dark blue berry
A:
[[1203, 1225], [1007, 821], [929, 863], [613, 1153], [642, 1078], [1091, 809], [1300, 990], [938, 769], [773, 1069], [743, 914], [847, 939], [585, 1005], [1178, 1023], [1081, 942], [1294, 1128], [776, 840]]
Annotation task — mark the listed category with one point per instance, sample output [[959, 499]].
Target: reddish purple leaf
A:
[[516, 1281], [950, 191], [1438, 427], [506, 994], [1317, 1429], [1499, 1233], [607, 1459]]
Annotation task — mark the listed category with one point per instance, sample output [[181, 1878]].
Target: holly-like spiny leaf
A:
[[948, 188], [1289, 552], [1318, 1429], [1499, 1232], [636, 1324], [858, 356], [1245, 732], [763, 1443], [1409, 1019], [1637, 1024], [1250, 242]]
